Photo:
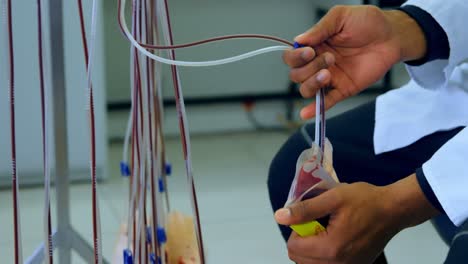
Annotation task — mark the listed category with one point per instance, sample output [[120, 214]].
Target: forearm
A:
[[407, 202], [407, 35]]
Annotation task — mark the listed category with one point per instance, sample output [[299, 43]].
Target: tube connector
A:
[[127, 256], [297, 45], [161, 233], [148, 234], [124, 169], [168, 169], [152, 258], [161, 185]]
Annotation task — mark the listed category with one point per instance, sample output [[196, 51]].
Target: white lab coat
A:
[[436, 99]]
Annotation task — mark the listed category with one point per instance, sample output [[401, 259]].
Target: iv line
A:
[[134, 43]]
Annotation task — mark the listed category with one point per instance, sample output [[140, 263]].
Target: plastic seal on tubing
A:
[[161, 185], [161, 233], [152, 258], [127, 255], [168, 168], [148, 234], [297, 45], [124, 169]]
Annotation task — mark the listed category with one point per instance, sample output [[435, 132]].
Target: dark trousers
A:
[[351, 135]]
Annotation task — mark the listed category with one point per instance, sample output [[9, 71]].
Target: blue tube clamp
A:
[[124, 169], [297, 45], [161, 235], [127, 255]]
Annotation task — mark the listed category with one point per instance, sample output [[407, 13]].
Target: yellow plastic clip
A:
[[308, 229]]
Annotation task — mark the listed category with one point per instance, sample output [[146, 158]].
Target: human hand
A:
[[357, 231], [363, 218], [351, 48]]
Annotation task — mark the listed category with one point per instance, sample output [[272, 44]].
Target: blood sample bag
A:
[[314, 175]]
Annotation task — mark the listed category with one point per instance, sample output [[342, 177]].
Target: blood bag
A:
[[182, 245], [314, 175]]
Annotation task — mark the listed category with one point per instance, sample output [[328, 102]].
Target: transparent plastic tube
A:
[[90, 109], [44, 87], [314, 170], [191, 63], [125, 155], [140, 231], [130, 118], [317, 118], [140, 224], [148, 162], [153, 152], [128, 132], [133, 190], [7, 19], [184, 130], [131, 208]]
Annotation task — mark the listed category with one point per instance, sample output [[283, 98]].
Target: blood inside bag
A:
[[306, 178], [314, 175]]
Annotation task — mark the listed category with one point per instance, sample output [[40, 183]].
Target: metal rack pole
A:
[[66, 238], [60, 128]]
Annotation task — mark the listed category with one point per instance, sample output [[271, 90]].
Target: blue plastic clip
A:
[[152, 258], [127, 255], [168, 169], [297, 45], [124, 169], [161, 235], [148, 234], [161, 185]]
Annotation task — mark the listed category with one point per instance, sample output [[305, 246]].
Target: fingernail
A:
[[306, 54], [329, 59], [321, 77], [283, 215]]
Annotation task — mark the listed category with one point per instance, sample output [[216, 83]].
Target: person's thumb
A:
[[308, 210], [326, 28]]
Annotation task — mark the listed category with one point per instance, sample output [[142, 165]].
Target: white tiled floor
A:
[[238, 227]]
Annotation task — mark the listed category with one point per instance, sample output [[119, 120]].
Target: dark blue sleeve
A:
[[427, 190], [437, 41]]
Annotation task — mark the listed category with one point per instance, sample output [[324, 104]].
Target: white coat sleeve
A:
[[452, 17], [447, 174], [447, 171]]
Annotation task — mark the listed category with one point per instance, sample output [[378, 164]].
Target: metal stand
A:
[[66, 238]]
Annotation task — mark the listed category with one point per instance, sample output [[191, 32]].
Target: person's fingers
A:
[[333, 97], [308, 210], [320, 80], [313, 249], [328, 26], [298, 57], [300, 75]]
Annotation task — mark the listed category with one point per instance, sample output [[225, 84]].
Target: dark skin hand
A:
[[351, 48], [363, 218]]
